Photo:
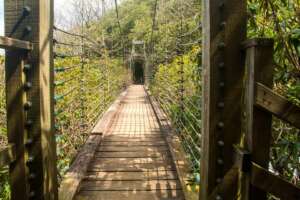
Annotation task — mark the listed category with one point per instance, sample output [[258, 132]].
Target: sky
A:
[[59, 6]]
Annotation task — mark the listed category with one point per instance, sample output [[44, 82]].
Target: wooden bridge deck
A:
[[133, 161]]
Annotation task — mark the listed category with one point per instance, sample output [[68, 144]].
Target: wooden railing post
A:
[[224, 29], [257, 123], [29, 100]]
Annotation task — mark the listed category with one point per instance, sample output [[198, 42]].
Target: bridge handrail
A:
[[277, 105]]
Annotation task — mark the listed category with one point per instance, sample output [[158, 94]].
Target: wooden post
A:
[[224, 29], [29, 99], [258, 123]]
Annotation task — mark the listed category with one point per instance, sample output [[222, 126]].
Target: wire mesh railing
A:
[[85, 86], [177, 89]]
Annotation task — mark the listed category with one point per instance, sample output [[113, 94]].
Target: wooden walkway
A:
[[133, 161]]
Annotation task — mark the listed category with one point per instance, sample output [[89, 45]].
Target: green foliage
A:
[[84, 91], [280, 19]]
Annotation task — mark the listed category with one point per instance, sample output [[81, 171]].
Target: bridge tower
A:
[[138, 63]]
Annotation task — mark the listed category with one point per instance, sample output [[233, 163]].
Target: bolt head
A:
[[26, 10], [27, 105], [27, 86]]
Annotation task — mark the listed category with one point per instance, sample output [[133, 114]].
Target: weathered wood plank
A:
[[76, 173], [132, 149], [137, 176], [130, 185], [132, 161], [224, 29], [137, 154], [257, 123], [10, 43], [74, 176], [133, 166], [7, 156], [131, 139], [134, 143], [277, 105], [181, 162], [132, 195], [268, 182]]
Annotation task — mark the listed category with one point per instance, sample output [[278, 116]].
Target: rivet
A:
[[222, 5], [223, 25], [222, 84], [220, 161], [221, 65], [221, 125], [27, 105], [221, 143], [27, 67], [30, 160], [221, 45], [27, 29], [218, 197], [32, 176], [27, 86], [244, 114], [221, 104], [28, 123], [26, 10], [32, 194], [29, 142]]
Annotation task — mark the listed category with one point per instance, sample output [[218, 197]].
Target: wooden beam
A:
[[257, 123], [279, 106], [31, 109], [7, 156], [224, 29], [10, 43], [266, 181], [15, 26]]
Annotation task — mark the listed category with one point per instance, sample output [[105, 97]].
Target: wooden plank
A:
[[76, 173], [277, 105], [257, 123], [133, 166], [133, 149], [137, 154], [7, 156], [266, 181], [131, 161], [132, 139], [181, 162], [138, 176], [224, 29], [10, 43], [132, 195], [134, 143], [130, 185], [141, 167]]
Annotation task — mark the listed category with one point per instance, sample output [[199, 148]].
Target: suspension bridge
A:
[[134, 146]]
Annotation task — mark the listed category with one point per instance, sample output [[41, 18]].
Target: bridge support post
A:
[[257, 125], [224, 29], [29, 81]]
